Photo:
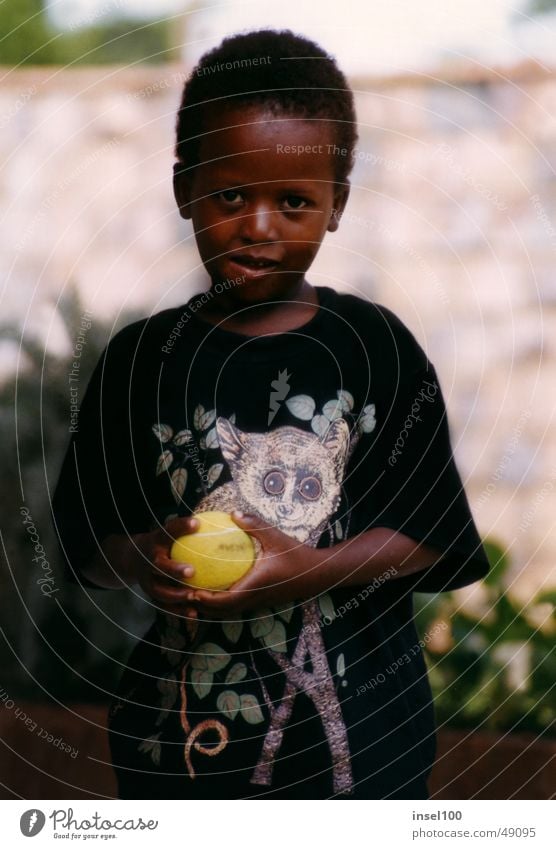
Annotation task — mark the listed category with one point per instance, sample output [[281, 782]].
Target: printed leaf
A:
[[199, 660], [161, 716], [236, 673], [346, 400], [333, 410], [367, 421], [320, 425], [228, 703], [164, 462], [301, 406], [172, 640], [338, 529], [202, 442], [168, 690], [276, 640], [173, 655], [285, 613], [163, 432], [201, 681], [233, 630], [263, 624], [214, 473], [341, 665], [233, 418], [217, 657], [152, 746], [211, 440], [327, 606], [178, 482], [250, 709], [199, 412], [182, 437], [206, 419]]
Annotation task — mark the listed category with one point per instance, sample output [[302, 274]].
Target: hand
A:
[[161, 577], [286, 570]]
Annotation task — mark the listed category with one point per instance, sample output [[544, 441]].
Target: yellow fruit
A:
[[219, 550]]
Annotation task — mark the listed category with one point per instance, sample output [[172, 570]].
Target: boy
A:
[[318, 422]]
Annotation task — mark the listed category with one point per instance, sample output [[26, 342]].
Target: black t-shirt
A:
[[326, 431]]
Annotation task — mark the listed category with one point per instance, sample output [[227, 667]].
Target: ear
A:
[[182, 189], [341, 194], [232, 441], [336, 440]]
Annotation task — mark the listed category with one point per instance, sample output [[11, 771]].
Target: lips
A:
[[254, 262]]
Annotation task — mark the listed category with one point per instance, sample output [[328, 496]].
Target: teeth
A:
[[262, 263]]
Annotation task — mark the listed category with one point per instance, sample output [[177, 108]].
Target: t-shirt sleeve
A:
[[419, 491], [98, 492]]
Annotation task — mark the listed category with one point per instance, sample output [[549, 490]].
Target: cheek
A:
[[212, 234]]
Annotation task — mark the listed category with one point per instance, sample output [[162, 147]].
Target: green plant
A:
[[496, 669]]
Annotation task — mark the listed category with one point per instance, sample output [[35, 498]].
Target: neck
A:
[[224, 304], [272, 316]]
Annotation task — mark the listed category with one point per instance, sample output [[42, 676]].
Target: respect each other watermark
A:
[[195, 305]]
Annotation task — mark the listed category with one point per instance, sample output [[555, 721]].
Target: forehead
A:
[[257, 144]]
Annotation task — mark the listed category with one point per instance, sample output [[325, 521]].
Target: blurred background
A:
[[451, 223]]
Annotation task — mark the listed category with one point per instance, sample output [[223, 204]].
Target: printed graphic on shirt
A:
[[291, 479]]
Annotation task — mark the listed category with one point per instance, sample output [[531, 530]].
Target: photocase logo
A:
[[281, 388], [31, 822]]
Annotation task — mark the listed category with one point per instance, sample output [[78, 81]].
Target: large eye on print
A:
[[274, 483], [310, 488]]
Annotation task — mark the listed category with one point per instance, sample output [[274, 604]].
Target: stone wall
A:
[[451, 223]]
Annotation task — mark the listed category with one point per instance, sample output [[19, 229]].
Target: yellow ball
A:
[[219, 550]]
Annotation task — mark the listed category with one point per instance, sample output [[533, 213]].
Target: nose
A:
[[260, 224]]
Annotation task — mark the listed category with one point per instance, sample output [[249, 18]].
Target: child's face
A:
[[261, 199]]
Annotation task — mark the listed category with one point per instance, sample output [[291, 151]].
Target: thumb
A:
[[251, 523]]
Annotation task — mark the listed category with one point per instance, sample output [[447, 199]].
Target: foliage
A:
[[541, 7], [498, 668], [31, 39]]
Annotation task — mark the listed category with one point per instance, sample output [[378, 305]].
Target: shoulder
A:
[[145, 341], [379, 328], [135, 349], [150, 330]]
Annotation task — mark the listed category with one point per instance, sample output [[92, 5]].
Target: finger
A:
[[250, 523], [217, 604], [185, 613], [170, 594], [182, 525], [173, 569]]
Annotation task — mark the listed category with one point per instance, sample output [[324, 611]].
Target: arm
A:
[[289, 571]]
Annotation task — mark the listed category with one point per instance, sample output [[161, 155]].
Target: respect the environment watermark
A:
[[218, 67]]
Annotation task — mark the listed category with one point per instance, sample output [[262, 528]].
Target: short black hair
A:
[[277, 69]]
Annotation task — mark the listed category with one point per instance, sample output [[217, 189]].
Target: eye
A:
[[230, 196], [310, 488], [274, 483], [294, 202]]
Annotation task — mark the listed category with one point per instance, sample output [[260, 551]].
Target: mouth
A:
[[254, 264]]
